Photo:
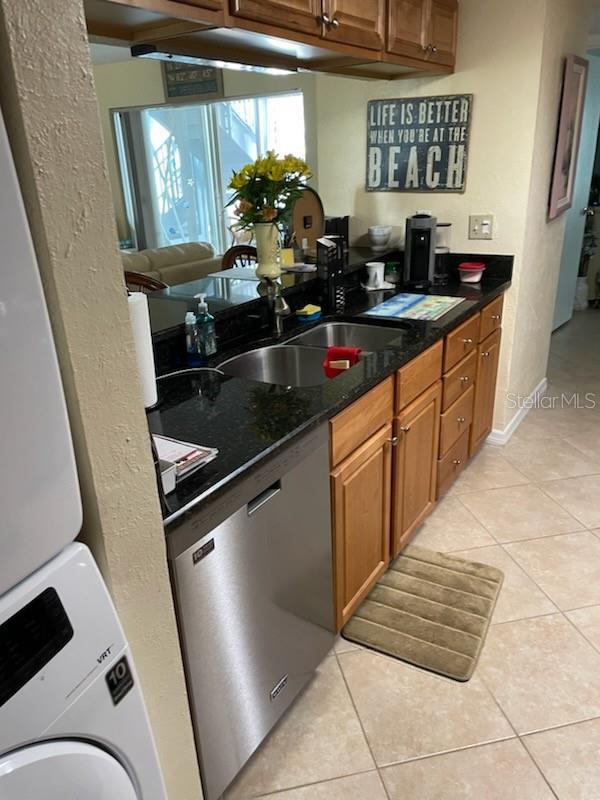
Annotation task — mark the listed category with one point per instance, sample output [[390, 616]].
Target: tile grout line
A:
[[304, 785], [360, 722]]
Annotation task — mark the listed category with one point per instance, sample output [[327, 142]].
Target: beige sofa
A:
[[175, 264]]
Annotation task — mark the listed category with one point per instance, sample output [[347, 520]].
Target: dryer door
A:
[[63, 770]]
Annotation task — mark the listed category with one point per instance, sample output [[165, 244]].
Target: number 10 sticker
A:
[[119, 680]]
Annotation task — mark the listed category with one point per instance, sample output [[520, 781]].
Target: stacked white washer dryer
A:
[[73, 725]]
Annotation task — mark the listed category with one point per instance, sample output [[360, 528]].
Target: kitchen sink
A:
[[348, 334], [283, 365]]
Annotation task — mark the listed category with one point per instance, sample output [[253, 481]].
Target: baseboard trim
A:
[[500, 436]]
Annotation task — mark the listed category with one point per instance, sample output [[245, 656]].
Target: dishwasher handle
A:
[[268, 494]]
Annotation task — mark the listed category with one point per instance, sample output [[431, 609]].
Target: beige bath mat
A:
[[430, 609]]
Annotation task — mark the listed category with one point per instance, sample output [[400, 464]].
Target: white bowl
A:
[[379, 235], [470, 275]]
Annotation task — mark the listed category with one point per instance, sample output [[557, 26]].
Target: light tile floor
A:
[[527, 725]]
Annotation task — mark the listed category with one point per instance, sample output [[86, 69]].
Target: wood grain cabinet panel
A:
[[212, 5], [407, 27], [461, 342], [443, 19], [361, 502], [459, 380], [418, 375], [485, 390], [352, 426], [456, 420], [452, 464], [415, 464], [491, 318], [297, 15], [357, 22]]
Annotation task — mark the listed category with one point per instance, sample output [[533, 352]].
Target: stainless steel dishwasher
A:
[[252, 575]]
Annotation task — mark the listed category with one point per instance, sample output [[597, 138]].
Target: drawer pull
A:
[[393, 441], [457, 461], [465, 379], [485, 355], [461, 420], [467, 341], [497, 317], [405, 428]]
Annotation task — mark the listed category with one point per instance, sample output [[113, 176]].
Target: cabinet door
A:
[[296, 15], [361, 493], [485, 390], [407, 28], [415, 464], [441, 38], [213, 5], [357, 22]]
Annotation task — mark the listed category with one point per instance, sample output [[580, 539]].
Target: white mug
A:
[[376, 270]]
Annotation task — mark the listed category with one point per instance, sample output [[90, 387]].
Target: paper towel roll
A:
[[142, 339]]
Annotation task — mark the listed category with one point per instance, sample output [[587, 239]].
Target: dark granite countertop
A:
[[247, 420]]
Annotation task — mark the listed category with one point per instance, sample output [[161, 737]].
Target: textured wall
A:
[[47, 97]]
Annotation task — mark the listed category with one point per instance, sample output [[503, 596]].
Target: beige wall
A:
[[47, 97], [138, 82], [509, 58]]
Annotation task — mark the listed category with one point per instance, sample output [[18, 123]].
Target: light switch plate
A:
[[481, 226]]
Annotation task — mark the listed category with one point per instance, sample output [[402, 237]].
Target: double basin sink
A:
[[299, 362]]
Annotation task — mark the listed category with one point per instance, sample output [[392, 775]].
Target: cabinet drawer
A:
[[362, 419], [452, 464], [461, 342], [491, 318], [459, 379], [456, 420], [418, 375]]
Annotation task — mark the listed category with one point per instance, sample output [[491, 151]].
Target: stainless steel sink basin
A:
[[348, 334], [283, 365]]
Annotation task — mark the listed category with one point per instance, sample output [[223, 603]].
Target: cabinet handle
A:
[[457, 461], [326, 19], [497, 317], [425, 48], [461, 420], [465, 379], [485, 355], [393, 441], [335, 23], [433, 48], [405, 428], [467, 341]]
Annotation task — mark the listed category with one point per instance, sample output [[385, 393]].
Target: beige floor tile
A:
[[587, 620], [500, 771], [452, 527], [366, 786], [342, 645], [568, 757], [550, 459], [542, 672], [566, 568], [407, 712], [318, 739], [587, 441], [579, 496], [488, 470], [519, 512], [519, 596], [547, 423]]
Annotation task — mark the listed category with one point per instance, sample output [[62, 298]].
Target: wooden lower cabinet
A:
[[361, 503], [488, 357], [415, 464]]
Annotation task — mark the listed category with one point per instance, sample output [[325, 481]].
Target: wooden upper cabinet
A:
[[212, 5], [357, 22], [443, 19], [296, 15], [423, 29], [407, 27]]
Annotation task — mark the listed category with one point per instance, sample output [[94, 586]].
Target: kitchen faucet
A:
[[278, 304]]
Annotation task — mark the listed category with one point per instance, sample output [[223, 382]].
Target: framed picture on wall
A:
[[569, 134]]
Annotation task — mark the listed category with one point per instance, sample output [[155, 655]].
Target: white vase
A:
[[266, 237]]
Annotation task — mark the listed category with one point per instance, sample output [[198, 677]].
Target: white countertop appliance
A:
[[39, 493], [73, 725]]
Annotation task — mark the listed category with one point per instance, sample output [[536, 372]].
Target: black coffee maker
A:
[[419, 251]]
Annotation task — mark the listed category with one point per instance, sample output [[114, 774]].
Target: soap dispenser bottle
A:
[[191, 340], [205, 330]]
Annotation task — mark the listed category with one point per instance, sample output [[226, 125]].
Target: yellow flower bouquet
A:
[[265, 190]]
